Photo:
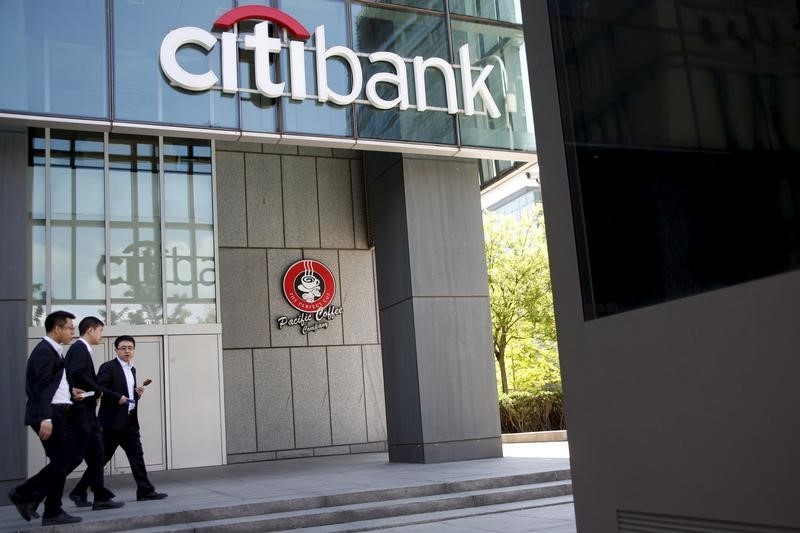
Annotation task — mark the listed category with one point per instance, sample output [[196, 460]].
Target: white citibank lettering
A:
[[263, 46]]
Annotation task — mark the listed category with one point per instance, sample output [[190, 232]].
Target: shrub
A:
[[523, 411]]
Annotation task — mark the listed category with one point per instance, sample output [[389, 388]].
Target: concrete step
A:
[[438, 516], [335, 508], [375, 510]]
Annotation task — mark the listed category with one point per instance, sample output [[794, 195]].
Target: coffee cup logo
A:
[[309, 286]]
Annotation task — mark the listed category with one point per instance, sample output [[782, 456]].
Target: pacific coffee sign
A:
[[265, 47], [309, 287]]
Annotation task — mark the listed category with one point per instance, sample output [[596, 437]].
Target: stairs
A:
[[359, 511]]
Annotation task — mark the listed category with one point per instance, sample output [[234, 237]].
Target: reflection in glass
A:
[[134, 275], [437, 5], [407, 35], [37, 297], [77, 232], [507, 10], [189, 233], [85, 267], [504, 50], [309, 115], [37, 219], [142, 92], [58, 54]]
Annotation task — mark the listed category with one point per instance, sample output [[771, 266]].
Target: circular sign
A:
[[309, 286]]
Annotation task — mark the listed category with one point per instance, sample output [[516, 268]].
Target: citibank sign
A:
[[263, 46]]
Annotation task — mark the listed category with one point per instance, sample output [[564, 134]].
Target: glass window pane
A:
[[310, 116], [437, 5], [203, 212], [38, 275], [134, 275], [77, 260], [141, 90], [176, 198], [504, 50], [507, 10], [77, 232], [57, 51], [407, 35], [37, 219], [189, 233], [76, 176]]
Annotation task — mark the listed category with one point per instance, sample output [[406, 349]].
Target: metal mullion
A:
[[73, 220], [107, 218], [448, 28], [192, 222], [48, 238], [215, 229], [167, 426], [162, 223]]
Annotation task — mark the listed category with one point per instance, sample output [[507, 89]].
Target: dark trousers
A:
[[48, 484], [130, 441], [89, 443]]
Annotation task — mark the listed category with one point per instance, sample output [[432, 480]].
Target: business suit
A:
[[43, 376], [120, 426], [88, 435]]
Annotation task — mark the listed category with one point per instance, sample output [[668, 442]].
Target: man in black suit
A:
[[47, 412], [88, 435], [119, 417]]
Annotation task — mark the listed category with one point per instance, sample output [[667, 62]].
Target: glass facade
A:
[[507, 10], [680, 123], [134, 267], [379, 29], [97, 220], [519, 206], [503, 48], [141, 92], [54, 56], [66, 68]]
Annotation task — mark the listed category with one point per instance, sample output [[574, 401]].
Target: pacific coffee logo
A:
[[309, 287]]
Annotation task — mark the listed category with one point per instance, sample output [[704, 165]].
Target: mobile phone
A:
[[87, 394]]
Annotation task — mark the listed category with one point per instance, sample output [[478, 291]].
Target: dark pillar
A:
[[441, 395], [13, 303]]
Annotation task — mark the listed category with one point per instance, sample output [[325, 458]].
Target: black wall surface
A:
[[13, 302], [682, 127], [669, 136]]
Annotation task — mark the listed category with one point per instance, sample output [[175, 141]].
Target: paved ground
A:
[[278, 480], [551, 519]]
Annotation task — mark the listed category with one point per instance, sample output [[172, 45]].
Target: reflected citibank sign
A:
[[263, 46]]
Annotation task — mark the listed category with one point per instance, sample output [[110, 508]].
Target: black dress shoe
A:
[[60, 519], [106, 504], [25, 509], [151, 496], [80, 500]]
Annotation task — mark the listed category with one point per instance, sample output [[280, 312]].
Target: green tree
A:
[[521, 298]]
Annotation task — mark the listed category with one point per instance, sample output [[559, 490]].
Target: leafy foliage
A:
[[531, 411], [521, 298]]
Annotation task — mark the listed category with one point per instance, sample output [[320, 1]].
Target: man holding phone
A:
[[119, 417]]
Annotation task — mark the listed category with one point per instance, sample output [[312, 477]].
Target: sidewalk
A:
[[252, 483]]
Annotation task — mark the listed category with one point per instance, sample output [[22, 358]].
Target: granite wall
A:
[[289, 394]]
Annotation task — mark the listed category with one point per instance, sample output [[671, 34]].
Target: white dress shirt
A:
[[126, 368]]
